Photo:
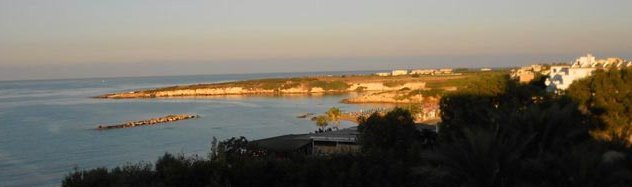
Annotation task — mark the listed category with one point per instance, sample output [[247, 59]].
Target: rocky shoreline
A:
[[153, 121]]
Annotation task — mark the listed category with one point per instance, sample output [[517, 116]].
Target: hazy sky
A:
[[42, 39]]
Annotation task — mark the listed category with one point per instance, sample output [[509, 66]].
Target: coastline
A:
[[402, 89], [282, 86]]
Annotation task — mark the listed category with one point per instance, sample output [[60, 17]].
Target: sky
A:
[[51, 39]]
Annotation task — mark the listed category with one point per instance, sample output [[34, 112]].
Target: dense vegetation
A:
[[607, 95], [474, 83], [521, 136], [329, 85], [394, 83], [270, 84], [495, 132], [342, 83], [485, 79]]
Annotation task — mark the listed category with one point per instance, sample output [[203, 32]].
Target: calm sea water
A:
[[47, 127]]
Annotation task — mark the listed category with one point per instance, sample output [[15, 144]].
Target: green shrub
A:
[[394, 83], [329, 85], [361, 88]]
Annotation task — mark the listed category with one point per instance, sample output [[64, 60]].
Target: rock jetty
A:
[[153, 121], [305, 115]]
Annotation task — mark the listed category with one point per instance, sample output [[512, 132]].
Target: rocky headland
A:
[[371, 88], [308, 85]]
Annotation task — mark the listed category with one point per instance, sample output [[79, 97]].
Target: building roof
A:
[[426, 126], [343, 135], [283, 143], [294, 142]]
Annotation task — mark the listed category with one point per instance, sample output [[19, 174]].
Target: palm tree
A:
[[321, 122], [334, 115]]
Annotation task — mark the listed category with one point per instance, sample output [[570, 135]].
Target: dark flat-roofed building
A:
[[330, 142], [323, 143]]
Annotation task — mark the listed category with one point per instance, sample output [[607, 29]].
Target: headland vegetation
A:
[[409, 88]]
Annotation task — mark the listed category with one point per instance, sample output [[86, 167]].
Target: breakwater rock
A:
[[153, 121]]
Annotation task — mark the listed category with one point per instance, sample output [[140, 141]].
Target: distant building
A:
[[485, 69], [561, 77], [585, 62], [383, 74], [445, 71], [610, 62], [399, 72], [589, 61], [423, 72], [429, 112], [526, 76], [528, 73]]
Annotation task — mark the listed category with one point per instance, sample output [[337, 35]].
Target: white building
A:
[[486, 69], [423, 72], [585, 62], [383, 74], [561, 77], [445, 71], [589, 61], [399, 72]]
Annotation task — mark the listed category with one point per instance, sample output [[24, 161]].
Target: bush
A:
[[394, 83], [393, 135], [608, 96], [329, 85]]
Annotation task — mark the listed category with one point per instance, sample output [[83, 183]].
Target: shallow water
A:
[[47, 127]]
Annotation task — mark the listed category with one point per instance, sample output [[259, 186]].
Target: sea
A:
[[47, 127]]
